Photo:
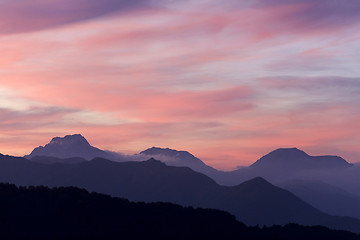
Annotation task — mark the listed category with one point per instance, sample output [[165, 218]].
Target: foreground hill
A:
[[72, 213], [252, 202]]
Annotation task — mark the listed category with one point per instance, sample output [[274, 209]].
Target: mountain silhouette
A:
[[279, 203], [180, 159], [69, 146], [325, 197], [252, 202], [295, 160], [284, 164], [279, 167], [73, 213]]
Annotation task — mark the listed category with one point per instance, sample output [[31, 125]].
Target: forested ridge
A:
[[73, 213]]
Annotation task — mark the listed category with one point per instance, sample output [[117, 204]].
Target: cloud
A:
[[306, 83], [316, 14], [18, 16], [138, 103], [228, 81], [327, 91], [305, 63], [30, 118]]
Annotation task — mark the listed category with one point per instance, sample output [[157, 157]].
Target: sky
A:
[[228, 81]]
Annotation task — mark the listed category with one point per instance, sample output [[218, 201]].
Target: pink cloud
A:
[[33, 15], [319, 14], [181, 79]]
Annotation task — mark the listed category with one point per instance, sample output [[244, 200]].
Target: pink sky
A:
[[228, 82]]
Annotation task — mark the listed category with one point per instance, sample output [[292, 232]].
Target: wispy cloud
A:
[[228, 81], [318, 14], [18, 16]]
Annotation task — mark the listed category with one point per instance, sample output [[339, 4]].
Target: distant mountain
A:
[[285, 164], [293, 159], [171, 155], [181, 159], [72, 213], [253, 202], [277, 166], [73, 148], [325, 197], [69, 146]]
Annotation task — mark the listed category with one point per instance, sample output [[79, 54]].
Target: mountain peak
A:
[[179, 159], [173, 157], [68, 147], [257, 181], [153, 151], [289, 152], [153, 161], [256, 185], [296, 159], [69, 139]]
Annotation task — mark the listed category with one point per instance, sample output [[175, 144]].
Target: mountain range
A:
[[276, 166], [253, 202], [325, 197], [326, 182]]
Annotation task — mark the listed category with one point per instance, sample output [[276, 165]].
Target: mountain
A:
[[325, 197], [72, 213], [51, 160], [280, 167], [69, 146], [72, 148], [181, 159], [282, 205], [286, 164], [328, 183], [293, 159], [253, 202]]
